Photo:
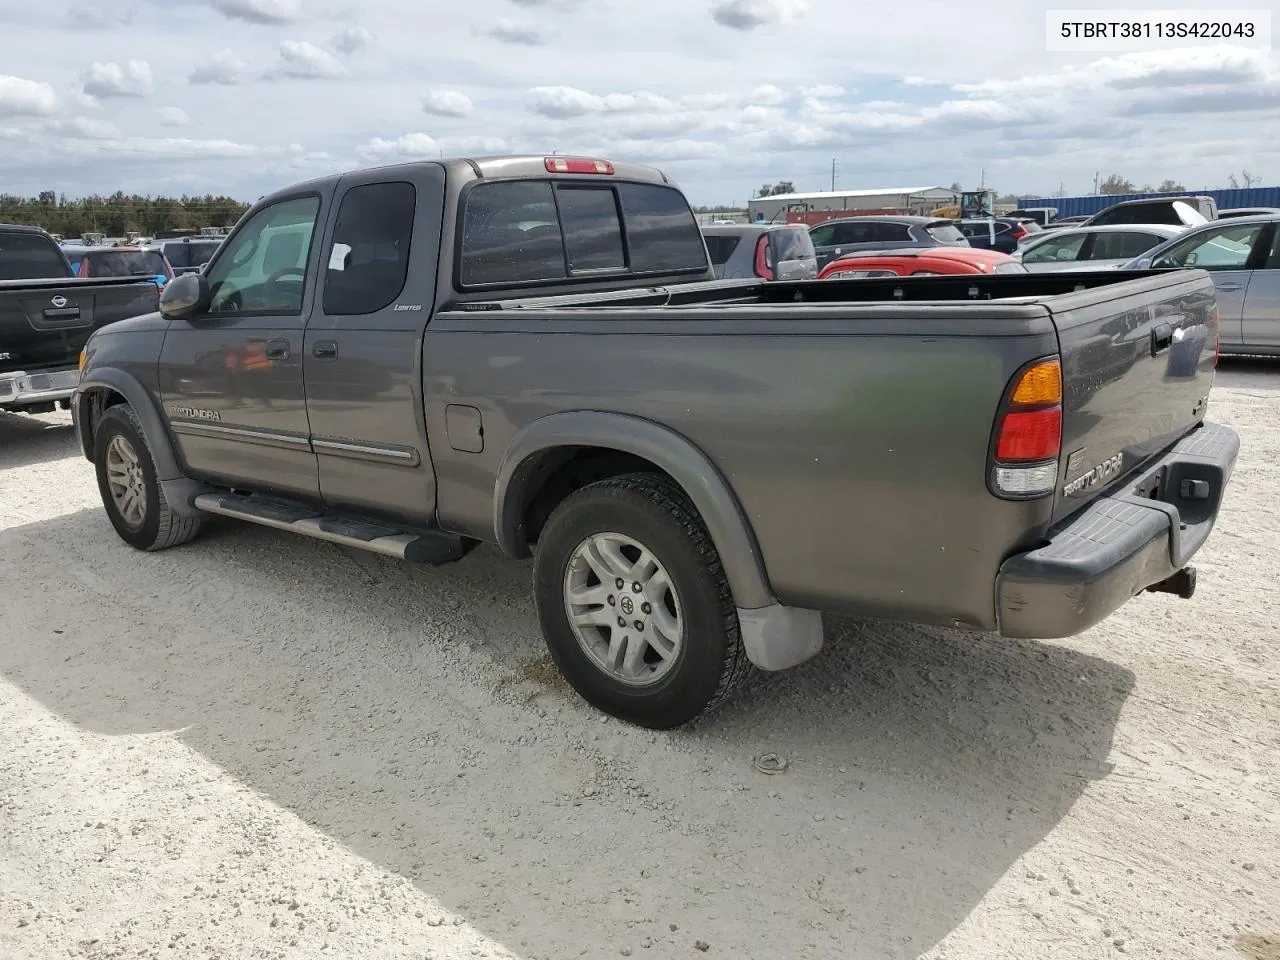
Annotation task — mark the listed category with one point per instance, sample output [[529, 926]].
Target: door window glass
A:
[[263, 267], [369, 261], [1056, 249], [511, 234], [1226, 248]]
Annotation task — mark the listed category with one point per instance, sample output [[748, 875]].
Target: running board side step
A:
[[431, 547]]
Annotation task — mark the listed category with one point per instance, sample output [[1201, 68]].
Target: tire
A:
[[663, 689], [117, 433]]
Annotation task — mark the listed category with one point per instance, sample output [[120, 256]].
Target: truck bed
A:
[[1137, 348]]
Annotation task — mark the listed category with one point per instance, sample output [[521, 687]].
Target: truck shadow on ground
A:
[[1259, 375], [401, 711], [26, 440]]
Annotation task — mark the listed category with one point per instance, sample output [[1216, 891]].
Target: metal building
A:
[[889, 199]]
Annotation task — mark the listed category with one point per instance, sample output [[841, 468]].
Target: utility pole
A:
[[1096, 174], [833, 174], [982, 184]]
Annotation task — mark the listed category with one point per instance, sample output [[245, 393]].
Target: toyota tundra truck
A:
[[46, 316], [533, 352]]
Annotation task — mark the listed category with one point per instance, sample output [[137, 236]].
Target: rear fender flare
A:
[[673, 453]]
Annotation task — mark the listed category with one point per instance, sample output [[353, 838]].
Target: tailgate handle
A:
[[1161, 338], [62, 313]]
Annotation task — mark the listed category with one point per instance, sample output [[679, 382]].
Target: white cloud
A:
[[350, 39], [447, 103], [519, 34], [824, 91], [750, 14], [409, 145], [100, 16], [264, 12], [223, 68], [420, 146], [304, 60], [106, 80], [174, 117], [768, 95], [26, 98], [84, 128], [562, 102]]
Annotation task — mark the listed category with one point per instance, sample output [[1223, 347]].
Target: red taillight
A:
[[1018, 233], [764, 270], [1031, 436], [577, 165], [1029, 433]]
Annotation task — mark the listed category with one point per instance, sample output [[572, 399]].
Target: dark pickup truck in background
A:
[[46, 316], [534, 352]]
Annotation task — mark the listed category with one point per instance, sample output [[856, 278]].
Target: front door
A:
[[363, 343], [1260, 322], [231, 378], [1228, 253]]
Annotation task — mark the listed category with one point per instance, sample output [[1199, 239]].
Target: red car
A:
[[920, 262]]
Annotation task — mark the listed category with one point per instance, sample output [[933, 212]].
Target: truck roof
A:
[[22, 228], [484, 167]]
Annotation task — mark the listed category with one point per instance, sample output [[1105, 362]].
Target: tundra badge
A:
[[1098, 475]]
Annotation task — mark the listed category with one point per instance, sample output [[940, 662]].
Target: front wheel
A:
[[131, 494], [634, 604]]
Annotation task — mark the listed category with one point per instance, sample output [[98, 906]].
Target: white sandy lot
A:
[[261, 746]]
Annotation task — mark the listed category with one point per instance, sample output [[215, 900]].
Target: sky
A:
[[243, 97]]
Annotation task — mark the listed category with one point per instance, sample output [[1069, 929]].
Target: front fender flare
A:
[[144, 405], [685, 463]]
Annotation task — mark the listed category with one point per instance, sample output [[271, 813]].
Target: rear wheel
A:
[[634, 604], [131, 495]]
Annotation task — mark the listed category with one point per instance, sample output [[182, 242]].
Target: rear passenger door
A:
[[362, 347], [1228, 252], [1260, 322]]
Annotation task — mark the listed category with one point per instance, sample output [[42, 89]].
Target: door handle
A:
[[1161, 338], [325, 350], [277, 350], [1229, 285]]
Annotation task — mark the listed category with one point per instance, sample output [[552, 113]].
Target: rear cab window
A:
[[791, 244], [124, 263], [30, 256], [947, 232], [537, 231]]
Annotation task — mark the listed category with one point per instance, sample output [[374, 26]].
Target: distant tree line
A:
[[119, 213]]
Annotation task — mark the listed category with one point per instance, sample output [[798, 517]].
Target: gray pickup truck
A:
[[533, 352], [47, 315]]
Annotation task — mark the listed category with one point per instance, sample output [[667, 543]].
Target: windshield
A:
[[124, 263]]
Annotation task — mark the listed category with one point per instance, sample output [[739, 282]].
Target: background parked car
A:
[[1065, 222], [1091, 248], [187, 254], [919, 262], [1234, 212], [119, 262], [770, 251], [833, 238], [1172, 211], [1009, 232], [1242, 255]]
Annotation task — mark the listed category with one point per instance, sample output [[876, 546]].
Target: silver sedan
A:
[[1242, 255], [1091, 248]]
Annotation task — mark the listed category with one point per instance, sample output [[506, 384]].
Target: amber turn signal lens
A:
[[1039, 384]]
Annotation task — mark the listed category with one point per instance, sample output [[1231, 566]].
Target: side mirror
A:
[[1143, 263], [185, 296]]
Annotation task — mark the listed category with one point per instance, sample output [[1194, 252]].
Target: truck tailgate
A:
[[44, 323], [1138, 361]]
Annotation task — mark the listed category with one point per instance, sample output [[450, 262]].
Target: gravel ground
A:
[[261, 746]]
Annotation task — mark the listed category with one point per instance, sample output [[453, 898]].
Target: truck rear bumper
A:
[[1121, 544], [20, 388]]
